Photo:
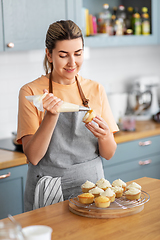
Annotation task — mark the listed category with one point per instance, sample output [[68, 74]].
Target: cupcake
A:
[[86, 198], [133, 193], [102, 202], [88, 117], [103, 184], [134, 185], [96, 191], [118, 191], [109, 193], [87, 186], [119, 183]]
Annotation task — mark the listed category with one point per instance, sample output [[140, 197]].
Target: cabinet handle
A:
[[146, 162], [10, 45], [5, 175], [146, 143]]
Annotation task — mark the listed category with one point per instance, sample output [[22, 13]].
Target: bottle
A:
[[145, 21], [129, 18], [120, 23], [136, 22], [104, 20], [113, 20]]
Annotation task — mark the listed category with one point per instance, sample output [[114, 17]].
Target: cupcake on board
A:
[[86, 198], [96, 191], [118, 191], [102, 202], [133, 193], [119, 183], [103, 184], [109, 193], [87, 186]]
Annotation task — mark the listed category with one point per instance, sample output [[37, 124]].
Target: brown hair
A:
[[58, 31]]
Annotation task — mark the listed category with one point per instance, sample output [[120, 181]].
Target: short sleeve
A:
[[28, 116]]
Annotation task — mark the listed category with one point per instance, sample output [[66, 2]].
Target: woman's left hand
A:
[[100, 129]]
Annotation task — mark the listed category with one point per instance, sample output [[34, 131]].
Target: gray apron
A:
[[72, 155]]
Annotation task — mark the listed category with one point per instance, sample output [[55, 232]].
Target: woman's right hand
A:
[[51, 103]]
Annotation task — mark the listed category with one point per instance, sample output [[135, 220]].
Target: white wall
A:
[[115, 68]]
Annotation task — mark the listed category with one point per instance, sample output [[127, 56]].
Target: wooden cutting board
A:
[[106, 212]]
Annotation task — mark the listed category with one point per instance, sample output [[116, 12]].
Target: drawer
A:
[[135, 149], [127, 171]]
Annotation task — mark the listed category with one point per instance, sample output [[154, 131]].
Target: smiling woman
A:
[[59, 145]]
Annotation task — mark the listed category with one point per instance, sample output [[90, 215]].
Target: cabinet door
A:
[[26, 22], [1, 29], [74, 11], [12, 190], [128, 171]]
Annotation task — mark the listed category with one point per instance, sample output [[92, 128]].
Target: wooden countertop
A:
[[143, 129], [11, 159], [68, 226]]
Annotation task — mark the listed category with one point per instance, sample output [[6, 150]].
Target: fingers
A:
[[98, 127], [51, 103], [45, 91]]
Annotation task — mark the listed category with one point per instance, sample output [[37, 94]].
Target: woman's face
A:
[[67, 58]]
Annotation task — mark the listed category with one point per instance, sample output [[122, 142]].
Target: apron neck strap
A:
[[84, 99]]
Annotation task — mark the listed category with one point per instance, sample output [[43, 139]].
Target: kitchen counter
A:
[[143, 129], [11, 159], [67, 225]]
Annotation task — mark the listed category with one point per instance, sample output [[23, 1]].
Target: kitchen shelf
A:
[[102, 40]]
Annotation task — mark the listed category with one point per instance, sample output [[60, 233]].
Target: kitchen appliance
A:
[[118, 104], [143, 98]]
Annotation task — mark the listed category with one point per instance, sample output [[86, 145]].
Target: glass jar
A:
[[10, 231]]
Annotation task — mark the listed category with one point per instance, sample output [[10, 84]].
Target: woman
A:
[[60, 145]]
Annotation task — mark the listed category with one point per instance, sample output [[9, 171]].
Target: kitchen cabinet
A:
[[134, 159], [1, 30], [25, 22], [12, 185], [100, 40]]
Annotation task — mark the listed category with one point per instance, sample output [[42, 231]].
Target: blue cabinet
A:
[[1, 30], [12, 185], [25, 22], [135, 159], [101, 40]]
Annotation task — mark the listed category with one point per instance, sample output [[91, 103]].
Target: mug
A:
[[37, 232]]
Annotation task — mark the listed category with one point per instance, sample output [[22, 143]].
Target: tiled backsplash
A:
[[115, 68]]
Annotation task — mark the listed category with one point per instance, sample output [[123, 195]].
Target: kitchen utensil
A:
[[65, 107], [11, 230], [143, 98]]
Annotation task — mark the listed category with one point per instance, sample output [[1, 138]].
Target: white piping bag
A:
[[65, 107]]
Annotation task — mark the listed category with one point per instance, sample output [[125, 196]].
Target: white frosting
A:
[[135, 185], [117, 189], [96, 190], [103, 183], [68, 107], [108, 193], [132, 191], [88, 184], [119, 183]]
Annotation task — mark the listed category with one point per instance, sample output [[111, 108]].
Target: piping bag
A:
[[65, 107]]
